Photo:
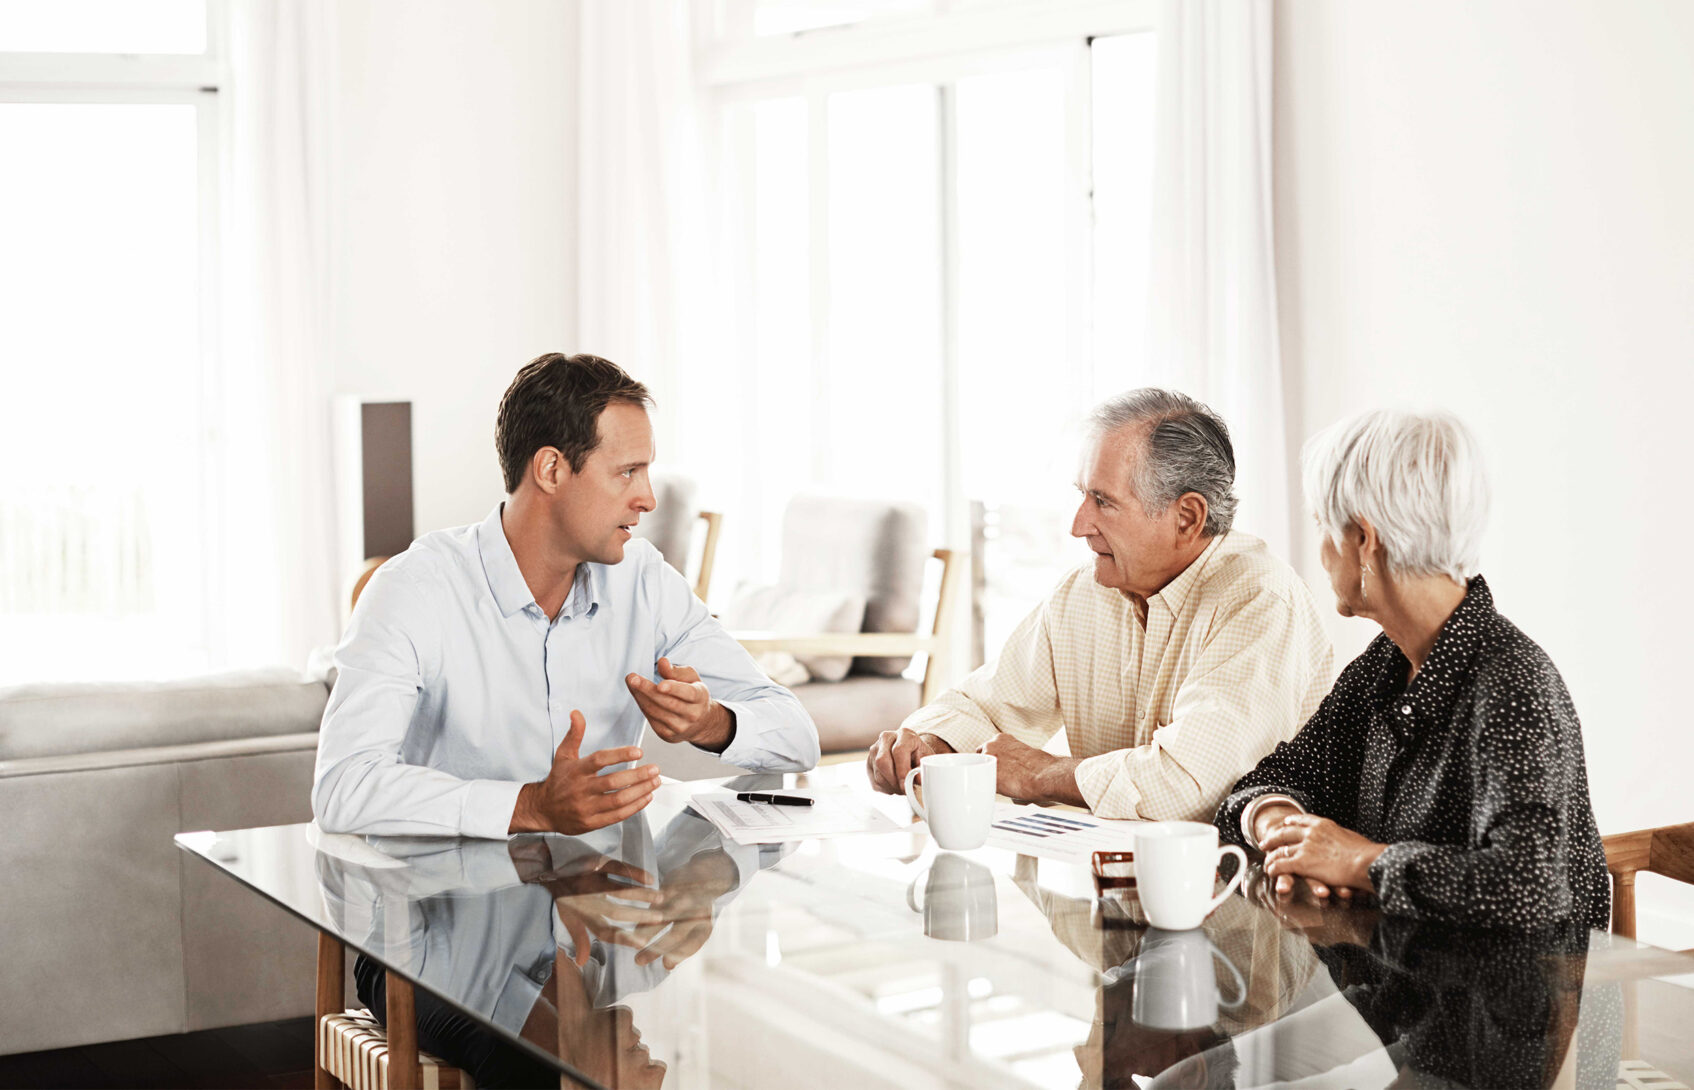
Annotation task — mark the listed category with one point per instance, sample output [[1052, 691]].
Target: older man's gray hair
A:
[[1186, 449], [1417, 478]]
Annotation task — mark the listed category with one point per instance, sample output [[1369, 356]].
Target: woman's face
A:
[[1343, 565]]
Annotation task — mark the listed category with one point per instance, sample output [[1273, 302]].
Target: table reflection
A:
[[543, 936], [1408, 1003]]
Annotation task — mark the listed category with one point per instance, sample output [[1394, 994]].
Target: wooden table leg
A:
[[332, 964], [403, 1073]]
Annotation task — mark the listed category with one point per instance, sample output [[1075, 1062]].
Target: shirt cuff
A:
[[1251, 811], [1108, 792], [488, 808], [766, 740], [964, 734]]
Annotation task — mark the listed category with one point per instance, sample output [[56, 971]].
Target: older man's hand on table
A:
[[897, 752], [1028, 774]]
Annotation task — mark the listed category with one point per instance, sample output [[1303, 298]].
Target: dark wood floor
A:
[[258, 1057]]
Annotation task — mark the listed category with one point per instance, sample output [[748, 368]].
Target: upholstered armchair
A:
[[671, 525], [852, 551]]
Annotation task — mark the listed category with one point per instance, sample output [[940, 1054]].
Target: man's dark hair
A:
[[556, 401]]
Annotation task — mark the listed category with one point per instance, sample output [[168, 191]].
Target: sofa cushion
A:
[[850, 714], [791, 611], [47, 720], [874, 547]]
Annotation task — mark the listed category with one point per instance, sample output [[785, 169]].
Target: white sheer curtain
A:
[[643, 301], [1213, 325], [277, 575]]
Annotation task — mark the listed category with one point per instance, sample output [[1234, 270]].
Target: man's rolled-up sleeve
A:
[[1264, 668], [773, 732], [1016, 694], [360, 784]]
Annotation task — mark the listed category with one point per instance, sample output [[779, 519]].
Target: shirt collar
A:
[[1429, 698], [511, 590], [1176, 592]]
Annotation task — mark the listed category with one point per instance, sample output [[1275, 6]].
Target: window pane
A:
[[781, 395], [1123, 81], [103, 26], [1017, 397], [100, 419], [882, 398]]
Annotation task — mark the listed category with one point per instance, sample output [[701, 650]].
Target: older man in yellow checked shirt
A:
[[1178, 657]]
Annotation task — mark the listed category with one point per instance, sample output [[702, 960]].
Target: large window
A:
[[108, 210], [947, 212]]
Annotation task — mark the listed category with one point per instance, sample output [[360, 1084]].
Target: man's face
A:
[[595, 509], [1134, 553]]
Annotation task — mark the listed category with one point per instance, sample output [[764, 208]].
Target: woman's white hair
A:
[[1417, 477]]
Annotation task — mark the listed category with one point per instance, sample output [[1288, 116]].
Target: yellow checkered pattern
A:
[[1170, 708]]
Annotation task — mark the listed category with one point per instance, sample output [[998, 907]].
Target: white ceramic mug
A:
[[1176, 867], [958, 798], [1175, 987], [959, 903]]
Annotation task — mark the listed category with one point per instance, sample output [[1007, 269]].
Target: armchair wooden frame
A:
[[1667, 850], [934, 643], [708, 553]]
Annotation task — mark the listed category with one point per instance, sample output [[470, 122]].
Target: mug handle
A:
[[1234, 883], [912, 898], [1240, 985], [917, 806]]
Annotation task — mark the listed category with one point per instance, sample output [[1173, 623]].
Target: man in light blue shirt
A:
[[493, 674]]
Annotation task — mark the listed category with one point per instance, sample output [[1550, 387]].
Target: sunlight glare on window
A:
[[99, 429], [1018, 395], [884, 365], [1123, 70]]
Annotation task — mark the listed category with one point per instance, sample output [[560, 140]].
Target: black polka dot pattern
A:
[[1473, 775]]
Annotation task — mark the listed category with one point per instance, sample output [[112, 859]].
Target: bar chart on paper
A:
[[1057, 834]]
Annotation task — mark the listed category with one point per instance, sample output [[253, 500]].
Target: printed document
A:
[[1066, 835], [835, 811]]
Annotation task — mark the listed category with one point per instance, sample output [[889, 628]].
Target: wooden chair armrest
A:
[[836, 643], [1627, 853]]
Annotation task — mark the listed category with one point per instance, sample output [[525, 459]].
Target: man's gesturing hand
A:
[[897, 752], [575, 797], [680, 709]]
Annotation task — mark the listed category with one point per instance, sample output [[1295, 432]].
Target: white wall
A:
[[454, 221], [1490, 207]]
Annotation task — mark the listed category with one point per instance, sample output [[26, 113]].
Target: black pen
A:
[[774, 800]]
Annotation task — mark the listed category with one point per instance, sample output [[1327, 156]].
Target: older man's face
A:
[[1134, 553]]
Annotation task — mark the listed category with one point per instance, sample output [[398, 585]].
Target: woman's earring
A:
[[1364, 570]]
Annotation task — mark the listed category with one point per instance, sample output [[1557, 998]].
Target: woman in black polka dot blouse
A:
[[1444, 772]]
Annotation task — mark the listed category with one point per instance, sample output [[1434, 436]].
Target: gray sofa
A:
[[110, 931]]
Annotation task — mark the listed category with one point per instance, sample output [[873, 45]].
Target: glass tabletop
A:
[[659, 953]]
